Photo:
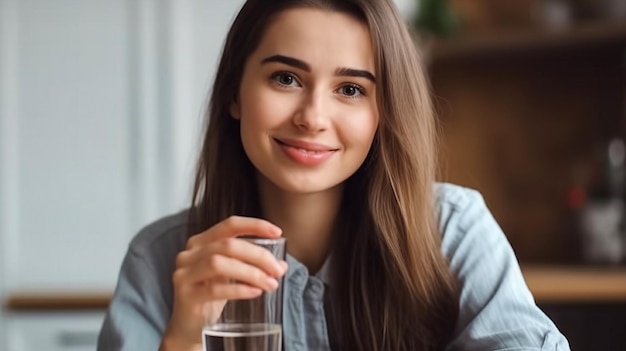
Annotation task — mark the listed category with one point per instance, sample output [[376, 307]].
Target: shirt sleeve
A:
[[135, 319], [497, 310]]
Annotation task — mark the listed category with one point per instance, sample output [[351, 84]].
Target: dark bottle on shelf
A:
[[602, 214]]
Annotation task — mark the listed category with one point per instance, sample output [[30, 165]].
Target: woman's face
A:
[[307, 101]]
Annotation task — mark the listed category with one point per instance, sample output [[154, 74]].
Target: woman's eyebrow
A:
[[351, 72], [289, 61], [340, 72]]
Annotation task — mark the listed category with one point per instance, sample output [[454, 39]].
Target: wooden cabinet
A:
[[590, 326], [521, 114]]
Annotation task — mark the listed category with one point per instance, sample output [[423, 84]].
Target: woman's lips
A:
[[305, 153], [305, 145]]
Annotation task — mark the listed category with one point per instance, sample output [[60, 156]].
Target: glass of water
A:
[[251, 325]]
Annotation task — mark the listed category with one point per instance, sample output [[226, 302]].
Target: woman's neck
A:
[[307, 220]]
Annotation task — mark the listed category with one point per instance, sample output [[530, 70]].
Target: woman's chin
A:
[[305, 187], [302, 184]]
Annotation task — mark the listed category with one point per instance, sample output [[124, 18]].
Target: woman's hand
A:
[[206, 271]]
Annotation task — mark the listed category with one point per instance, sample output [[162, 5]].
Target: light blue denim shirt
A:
[[497, 311]]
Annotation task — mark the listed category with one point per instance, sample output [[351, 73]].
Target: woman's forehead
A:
[[319, 36]]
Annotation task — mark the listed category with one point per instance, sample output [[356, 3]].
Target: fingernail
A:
[[284, 266], [279, 268], [277, 231], [255, 292], [272, 283]]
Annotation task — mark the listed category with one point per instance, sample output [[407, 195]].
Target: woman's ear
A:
[[235, 110]]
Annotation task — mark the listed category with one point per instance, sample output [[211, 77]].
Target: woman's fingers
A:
[[238, 249], [231, 291], [223, 267], [252, 254], [235, 226]]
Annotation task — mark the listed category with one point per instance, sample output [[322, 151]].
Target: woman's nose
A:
[[313, 114]]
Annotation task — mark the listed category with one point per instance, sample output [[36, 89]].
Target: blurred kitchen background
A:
[[100, 120]]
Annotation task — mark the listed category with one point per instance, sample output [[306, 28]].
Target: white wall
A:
[[7, 122], [101, 103], [99, 111]]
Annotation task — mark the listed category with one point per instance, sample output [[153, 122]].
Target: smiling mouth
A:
[[312, 151]]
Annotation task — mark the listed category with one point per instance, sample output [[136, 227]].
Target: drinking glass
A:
[[250, 325]]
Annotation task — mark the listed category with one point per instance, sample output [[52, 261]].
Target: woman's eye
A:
[[351, 90], [285, 79]]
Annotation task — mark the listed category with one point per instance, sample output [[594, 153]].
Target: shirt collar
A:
[[297, 269]]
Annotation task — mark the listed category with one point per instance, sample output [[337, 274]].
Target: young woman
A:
[[321, 130]]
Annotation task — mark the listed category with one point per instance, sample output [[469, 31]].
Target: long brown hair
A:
[[392, 288]]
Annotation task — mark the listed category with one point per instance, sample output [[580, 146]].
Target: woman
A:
[[322, 131]]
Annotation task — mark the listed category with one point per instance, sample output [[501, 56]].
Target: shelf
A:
[[57, 301], [527, 41], [576, 284], [549, 284]]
